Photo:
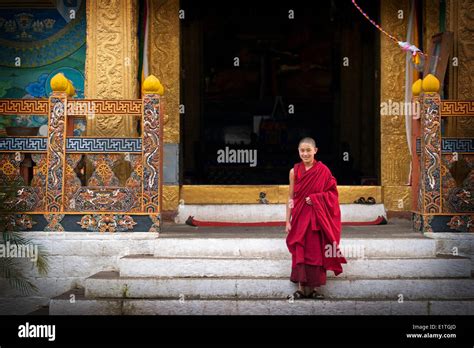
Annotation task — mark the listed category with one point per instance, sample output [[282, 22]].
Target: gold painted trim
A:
[[395, 157], [470, 213], [12, 107], [397, 198], [100, 153], [111, 65], [83, 213], [164, 61], [275, 194], [99, 137], [21, 151], [25, 136], [170, 197]]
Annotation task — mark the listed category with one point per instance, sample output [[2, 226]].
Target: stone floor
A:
[[192, 248], [395, 228]]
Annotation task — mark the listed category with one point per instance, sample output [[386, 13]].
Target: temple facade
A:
[[108, 76], [106, 54], [117, 116]]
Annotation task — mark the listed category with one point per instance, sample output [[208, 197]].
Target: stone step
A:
[[151, 266], [111, 285], [268, 212], [62, 305], [276, 247]]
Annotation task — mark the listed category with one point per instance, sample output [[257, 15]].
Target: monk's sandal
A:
[[316, 295], [297, 295]]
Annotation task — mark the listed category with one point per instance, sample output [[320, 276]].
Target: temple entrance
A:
[[257, 77]]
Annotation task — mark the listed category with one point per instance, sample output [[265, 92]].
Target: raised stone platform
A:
[[257, 306], [234, 269], [113, 285], [149, 266], [269, 212], [194, 270]]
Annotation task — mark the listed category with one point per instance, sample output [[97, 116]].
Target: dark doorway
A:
[[255, 79]]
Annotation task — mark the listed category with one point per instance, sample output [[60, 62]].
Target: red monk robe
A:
[[315, 226]]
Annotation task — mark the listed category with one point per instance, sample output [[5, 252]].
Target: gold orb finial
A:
[[59, 83], [70, 90], [430, 83], [416, 87], [152, 85]]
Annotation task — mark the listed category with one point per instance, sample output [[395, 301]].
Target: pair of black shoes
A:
[[362, 200], [298, 295]]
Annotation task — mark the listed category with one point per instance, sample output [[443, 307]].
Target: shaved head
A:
[[307, 140]]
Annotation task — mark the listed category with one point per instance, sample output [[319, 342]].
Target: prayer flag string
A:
[[404, 45]]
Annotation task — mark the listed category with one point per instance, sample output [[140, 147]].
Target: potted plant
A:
[[11, 267]]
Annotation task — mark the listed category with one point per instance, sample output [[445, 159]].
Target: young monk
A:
[[313, 223]]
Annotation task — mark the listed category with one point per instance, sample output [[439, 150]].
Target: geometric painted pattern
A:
[[85, 145], [458, 145], [26, 144], [24, 106], [56, 188], [457, 108], [103, 174], [78, 145], [10, 169], [74, 107], [81, 107], [450, 145]]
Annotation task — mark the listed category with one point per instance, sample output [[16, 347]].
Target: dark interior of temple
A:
[[252, 78]]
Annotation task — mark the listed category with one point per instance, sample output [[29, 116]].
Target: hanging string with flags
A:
[[417, 54]]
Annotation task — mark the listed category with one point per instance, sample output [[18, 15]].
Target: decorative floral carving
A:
[[107, 223]]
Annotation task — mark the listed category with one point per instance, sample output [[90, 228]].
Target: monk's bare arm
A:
[[289, 204]]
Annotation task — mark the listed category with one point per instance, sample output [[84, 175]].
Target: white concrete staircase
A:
[[222, 275]]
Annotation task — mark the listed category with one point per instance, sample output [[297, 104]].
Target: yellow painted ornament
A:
[[59, 83], [430, 83], [70, 89], [152, 85], [416, 87]]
